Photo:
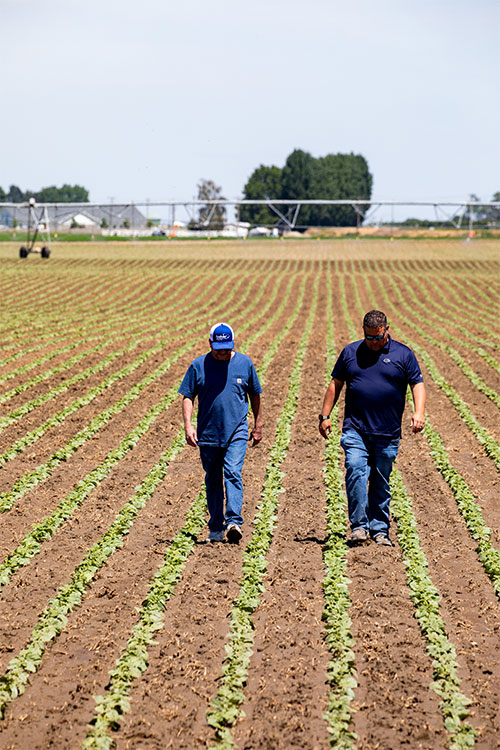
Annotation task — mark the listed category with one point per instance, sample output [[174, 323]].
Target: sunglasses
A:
[[378, 337]]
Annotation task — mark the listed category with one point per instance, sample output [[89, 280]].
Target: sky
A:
[[140, 100]]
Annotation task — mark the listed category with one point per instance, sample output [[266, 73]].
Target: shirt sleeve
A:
[[188, 386], [339, 371], [254, 386], [413, 371]]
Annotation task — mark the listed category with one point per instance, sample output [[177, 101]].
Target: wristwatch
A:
[[322, 417]]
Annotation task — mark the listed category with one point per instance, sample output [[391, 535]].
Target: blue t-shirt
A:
[[222, 389], [376, 384]]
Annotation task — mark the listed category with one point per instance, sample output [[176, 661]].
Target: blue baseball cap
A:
[[222, 336]]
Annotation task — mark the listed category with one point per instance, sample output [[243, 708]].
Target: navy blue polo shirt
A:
[[376, 384], [222, 389]]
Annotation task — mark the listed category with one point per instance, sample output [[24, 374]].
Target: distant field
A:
[[120, 626]]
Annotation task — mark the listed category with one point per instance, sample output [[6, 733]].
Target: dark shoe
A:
[[359, 535], [383, 539], [233, 533]]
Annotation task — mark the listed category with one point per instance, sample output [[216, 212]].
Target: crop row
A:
[[143, 305], [426, 600], [126, 317], [226, 706], [470, 510], [144, 310], [481, 434], [488, 555], [54, 617], [469, 373], [195, 326], [31, 543], [133, 660], [341, 670], [437, 319]]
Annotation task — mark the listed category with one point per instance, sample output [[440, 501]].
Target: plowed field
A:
[[120, 626]]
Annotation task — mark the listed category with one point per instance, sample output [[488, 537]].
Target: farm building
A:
[[65, 217]]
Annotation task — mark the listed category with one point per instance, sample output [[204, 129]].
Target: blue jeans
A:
[[368, 463], [223, 468]]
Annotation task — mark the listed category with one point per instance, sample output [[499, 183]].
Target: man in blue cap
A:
[[377, 371], [223, 380]]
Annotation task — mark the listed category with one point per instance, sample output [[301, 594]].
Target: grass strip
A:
[[226, 706], [43, 471], [54, 618], [134, 659], [436, 324], [467, 370], [31, 437], [426, 599], [467, 505], [339, 640], [40, 532], [45, 529]]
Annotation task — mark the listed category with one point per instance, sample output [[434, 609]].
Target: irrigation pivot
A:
[[38, 225]]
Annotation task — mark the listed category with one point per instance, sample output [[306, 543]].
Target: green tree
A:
[[3, 195], [331, 177], [493, 212], [263, 184], [64, 194], [209, 216], [339, 177], [15, 195], [297, 182]]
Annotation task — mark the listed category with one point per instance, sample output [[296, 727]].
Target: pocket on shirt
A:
[[238, 386]]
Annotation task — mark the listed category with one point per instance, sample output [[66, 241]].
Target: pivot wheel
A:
[[23, 252], [45, 252]]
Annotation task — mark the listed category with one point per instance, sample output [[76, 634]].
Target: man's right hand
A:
[[325, 428], [191, 437]]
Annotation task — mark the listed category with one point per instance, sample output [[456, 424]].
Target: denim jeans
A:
[[223, 468], [368, 463]]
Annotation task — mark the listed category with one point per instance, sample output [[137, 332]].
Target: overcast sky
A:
[[140, 100]]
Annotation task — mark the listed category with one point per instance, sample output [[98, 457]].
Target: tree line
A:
[[304, 177], [51, 194]]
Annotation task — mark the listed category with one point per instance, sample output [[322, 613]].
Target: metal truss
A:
[[287, 211]]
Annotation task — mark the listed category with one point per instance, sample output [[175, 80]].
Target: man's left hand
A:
[[256, 435], [417, 422]]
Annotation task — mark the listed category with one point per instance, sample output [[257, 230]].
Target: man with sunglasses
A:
[[377, 371]]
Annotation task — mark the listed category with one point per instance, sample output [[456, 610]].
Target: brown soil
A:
[[286, 692]]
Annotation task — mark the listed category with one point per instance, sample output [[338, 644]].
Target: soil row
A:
[[286, 691]]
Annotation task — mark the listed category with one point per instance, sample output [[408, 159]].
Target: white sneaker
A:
[[233, 533], [216, 536]]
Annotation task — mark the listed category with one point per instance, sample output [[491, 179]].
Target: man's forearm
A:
[[187, 411], [418, 416], [255, 403], [419, 397], [331, 396]]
